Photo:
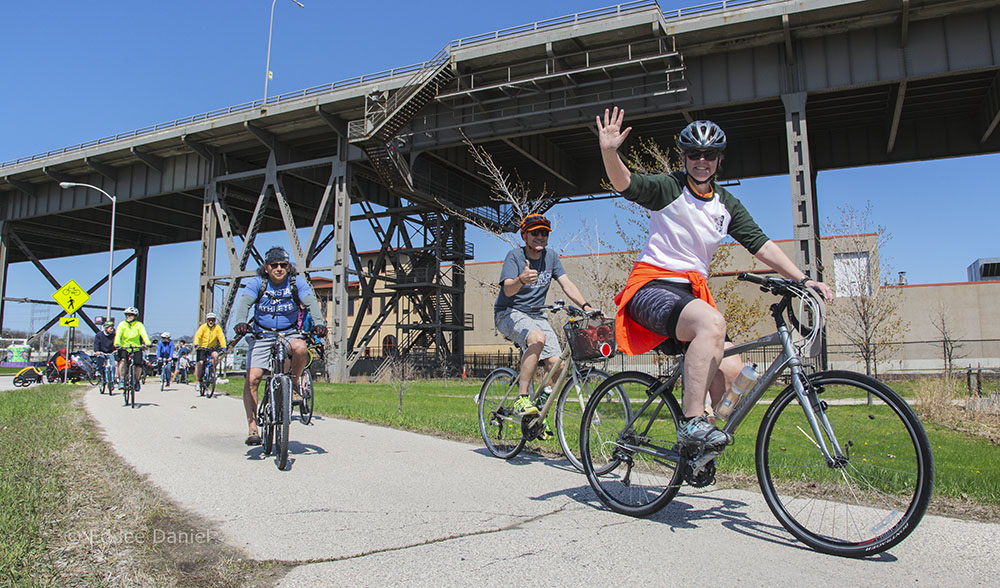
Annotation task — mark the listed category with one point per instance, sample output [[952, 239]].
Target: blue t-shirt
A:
[[548, 267], [276, 309]]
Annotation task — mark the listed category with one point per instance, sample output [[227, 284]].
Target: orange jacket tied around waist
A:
[[633, 338]]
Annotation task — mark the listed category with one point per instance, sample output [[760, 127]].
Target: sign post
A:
[[70, 297]]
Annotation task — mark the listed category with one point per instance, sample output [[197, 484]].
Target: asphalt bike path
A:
[[363, 505]]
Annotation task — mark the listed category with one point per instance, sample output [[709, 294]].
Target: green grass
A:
[[32, 429], [965, 466]]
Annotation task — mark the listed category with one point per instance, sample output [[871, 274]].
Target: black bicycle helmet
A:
[[702, 134]]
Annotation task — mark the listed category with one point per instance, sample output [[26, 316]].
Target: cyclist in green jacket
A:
[[131, 336]]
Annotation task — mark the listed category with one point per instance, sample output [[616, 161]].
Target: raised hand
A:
[[610, 133]]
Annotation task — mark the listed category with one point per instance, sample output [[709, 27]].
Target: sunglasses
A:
[[706, 155], [282, 265], [539, 233]]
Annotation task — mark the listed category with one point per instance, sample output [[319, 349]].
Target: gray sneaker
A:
[[701, 436]]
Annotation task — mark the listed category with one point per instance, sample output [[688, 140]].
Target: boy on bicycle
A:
[[275, 295], [104, 346], [131, 333], [525, 278], [208, 340]]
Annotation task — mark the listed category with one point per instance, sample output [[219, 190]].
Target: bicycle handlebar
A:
[[571, 310]]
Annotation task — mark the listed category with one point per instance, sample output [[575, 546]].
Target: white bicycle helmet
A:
[[132, 310], [165, 335], [702, 134], [210, 316]]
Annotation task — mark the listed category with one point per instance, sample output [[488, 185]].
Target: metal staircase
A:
[[386, 114]]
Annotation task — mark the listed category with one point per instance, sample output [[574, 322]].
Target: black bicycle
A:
[[274, 411], [843, 462], [129, 380], [206, 386]]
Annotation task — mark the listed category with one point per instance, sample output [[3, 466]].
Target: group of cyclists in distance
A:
[[281, 302]]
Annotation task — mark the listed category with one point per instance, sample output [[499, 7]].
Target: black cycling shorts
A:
[[657, 306], [204, 352]]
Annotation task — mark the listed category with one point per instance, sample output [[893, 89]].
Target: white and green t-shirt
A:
[[684, 228]]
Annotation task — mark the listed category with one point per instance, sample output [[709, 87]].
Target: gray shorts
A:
[[259, 352], [515, 325]]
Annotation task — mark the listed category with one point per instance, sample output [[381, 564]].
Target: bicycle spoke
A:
[[632, 474], [874, 495]]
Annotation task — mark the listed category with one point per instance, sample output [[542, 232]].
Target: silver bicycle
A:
[[843, 462]]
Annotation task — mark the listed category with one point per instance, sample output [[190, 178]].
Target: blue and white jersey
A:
[[276, 308]]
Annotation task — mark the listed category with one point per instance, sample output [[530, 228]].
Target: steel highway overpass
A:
[[800, 86]]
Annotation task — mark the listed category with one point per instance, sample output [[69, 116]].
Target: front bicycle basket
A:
[[591, 338]]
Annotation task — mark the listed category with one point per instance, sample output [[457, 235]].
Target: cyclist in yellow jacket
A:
[[209, 339], [130, 336]]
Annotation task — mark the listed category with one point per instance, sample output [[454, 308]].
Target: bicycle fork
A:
[[813, 408]]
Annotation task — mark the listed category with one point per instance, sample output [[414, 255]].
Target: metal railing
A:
[[408, 70]]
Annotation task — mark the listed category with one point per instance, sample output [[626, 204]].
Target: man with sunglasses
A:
[[209, 339], [275, 302], [525, 278], [666, 295]]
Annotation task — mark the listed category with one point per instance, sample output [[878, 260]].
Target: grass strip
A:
[[75, 514]]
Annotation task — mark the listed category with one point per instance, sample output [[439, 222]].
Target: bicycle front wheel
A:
[[879, 485], [306, 392], [569, 411], [498, 421], [634, 469], [285, 390]]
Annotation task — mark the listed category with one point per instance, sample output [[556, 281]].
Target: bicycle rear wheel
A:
[[874, 495], [634, 470], [498, 422], [306, 392], [282, 430], [569, 411]]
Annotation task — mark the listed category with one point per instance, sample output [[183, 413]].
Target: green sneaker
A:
[[547, 432], [524, 407]]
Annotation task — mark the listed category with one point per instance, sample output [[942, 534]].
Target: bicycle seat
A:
[[672, 347]]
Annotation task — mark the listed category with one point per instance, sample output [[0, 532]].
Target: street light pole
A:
[[267, 66], [111, 247]]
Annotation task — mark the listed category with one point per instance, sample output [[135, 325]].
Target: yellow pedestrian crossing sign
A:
[[69, 321], [71, 297]]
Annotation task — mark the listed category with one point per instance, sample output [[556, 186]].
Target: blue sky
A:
[[76, 71]]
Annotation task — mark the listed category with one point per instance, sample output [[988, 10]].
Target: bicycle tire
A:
[[306, 392], [569, 411], [126, 392], [285, 385], [210, 391], [626, 479], [875, 496], [100, 383], [500, 429]]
